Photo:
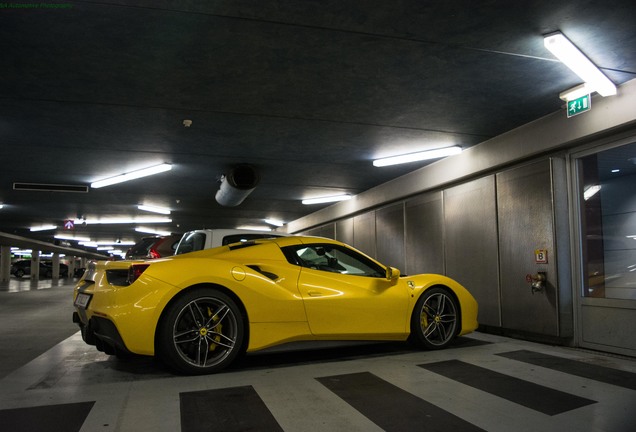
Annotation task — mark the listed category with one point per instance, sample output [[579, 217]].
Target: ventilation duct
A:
[[237, 185]]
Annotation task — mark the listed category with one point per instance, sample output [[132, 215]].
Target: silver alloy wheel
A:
[[438, 319], [205, 332]]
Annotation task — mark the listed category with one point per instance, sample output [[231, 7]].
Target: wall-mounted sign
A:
[[579, 105], [541, 256]]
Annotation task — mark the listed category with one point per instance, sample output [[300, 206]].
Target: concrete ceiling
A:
[[309, 92]]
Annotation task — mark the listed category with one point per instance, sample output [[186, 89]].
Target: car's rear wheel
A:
[[19, 273], [202, 332], [435, 319]]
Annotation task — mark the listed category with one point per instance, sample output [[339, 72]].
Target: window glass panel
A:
[[333, 258], [191, 243], [608, 196]]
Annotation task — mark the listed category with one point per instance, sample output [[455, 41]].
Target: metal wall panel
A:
[[344, 231], [424, 219], [389, 222], [524, 197], [328, 231], [364, 233], [606, 328], [470, 226]]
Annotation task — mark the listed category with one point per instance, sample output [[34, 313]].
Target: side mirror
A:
[[392, 273]]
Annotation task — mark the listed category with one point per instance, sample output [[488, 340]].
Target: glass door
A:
[[606, 197]]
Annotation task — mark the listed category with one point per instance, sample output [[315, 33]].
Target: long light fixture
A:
[[154, 209], [121, 220], [591, 191], [419, 156], [326, 199], [42, 228], [576, 92], [132, 175], [573, 58], [71, 237], [274, 222], [89, 244], [116, 243]]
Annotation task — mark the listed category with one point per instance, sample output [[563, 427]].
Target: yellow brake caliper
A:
[[218, 327], [424, 317]]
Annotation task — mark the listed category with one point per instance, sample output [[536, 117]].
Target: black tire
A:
[[19, 273], [435, 319], [202, 332]]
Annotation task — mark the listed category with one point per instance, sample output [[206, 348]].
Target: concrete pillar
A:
[[55, 262], [35, 265], [5, 263]]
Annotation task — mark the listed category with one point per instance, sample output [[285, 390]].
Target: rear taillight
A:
[[153, 254], [135, 271]]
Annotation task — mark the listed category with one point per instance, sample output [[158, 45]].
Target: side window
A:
[[191, 243], [337, 259]]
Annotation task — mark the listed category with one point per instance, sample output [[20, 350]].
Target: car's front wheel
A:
[[201, 332], [435, 319]]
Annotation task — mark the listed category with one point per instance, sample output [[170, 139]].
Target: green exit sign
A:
[[580, 105]]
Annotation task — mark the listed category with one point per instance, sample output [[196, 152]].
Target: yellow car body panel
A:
[[375, 306], [282, 302]]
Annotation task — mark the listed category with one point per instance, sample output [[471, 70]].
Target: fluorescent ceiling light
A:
[[107, 248], [327, 199], [70, 237], [419, 156], [1, 205], [116, 243], [154, 209], [107, 221], [576, 92], [89, 244], [152, 231], [131, 175], [42, 228], [275, 222], [591, 191], [570, 56]]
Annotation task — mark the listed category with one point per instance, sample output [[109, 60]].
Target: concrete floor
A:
[[51, 381]]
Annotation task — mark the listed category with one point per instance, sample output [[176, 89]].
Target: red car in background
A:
[[154, 247]]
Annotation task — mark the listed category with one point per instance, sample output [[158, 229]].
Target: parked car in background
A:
[[198, 311], [23, 267], [197, 240], [154, 247], [63, 270]]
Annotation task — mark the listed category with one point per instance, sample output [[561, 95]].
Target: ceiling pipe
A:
[[237, 185]]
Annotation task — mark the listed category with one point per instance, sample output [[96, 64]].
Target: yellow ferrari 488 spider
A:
[[197, 311]]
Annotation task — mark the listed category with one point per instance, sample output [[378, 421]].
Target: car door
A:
[[345, 293]]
